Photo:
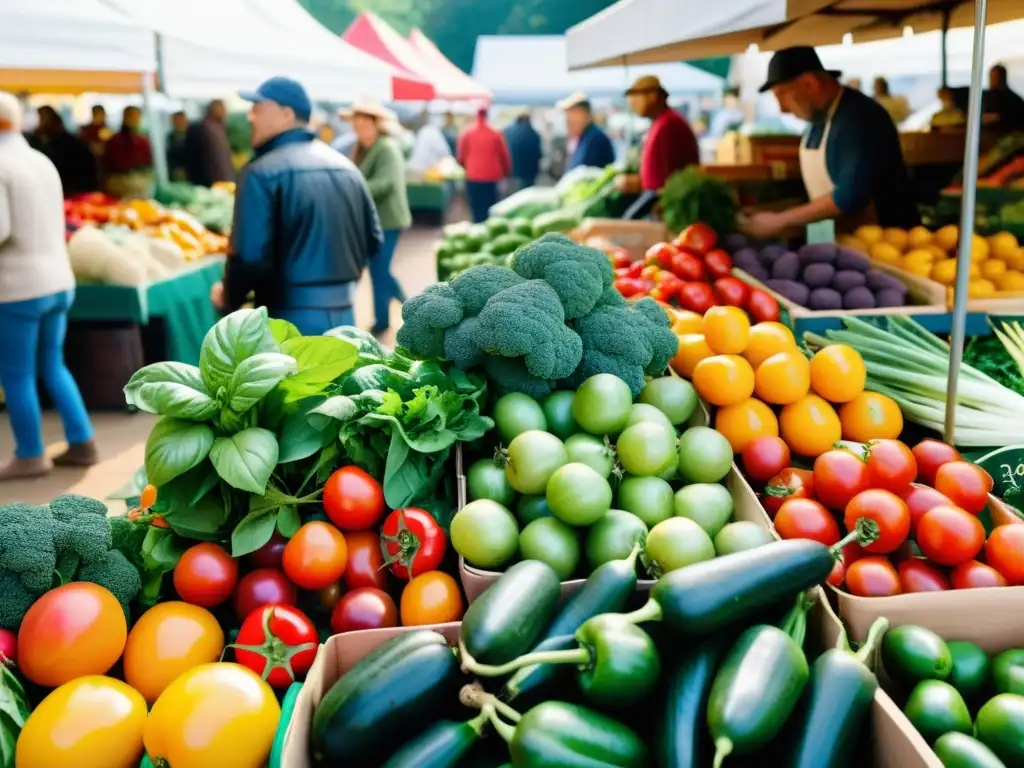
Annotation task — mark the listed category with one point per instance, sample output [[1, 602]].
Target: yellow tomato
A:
[[214, 716], [783, 378], [167, 640], [431, 598], [810, 426], [766, 339], [1003, 244], [1012, 281], [992, 269], [742, 422], [724, 379], [981, 289], [91, 722], [868, 233], [919, 237], [726, 330], [898, 238], [870, 416], [686, 322], [886, 253], [947, 237], [838, 373], [944, 272], [692, 349]]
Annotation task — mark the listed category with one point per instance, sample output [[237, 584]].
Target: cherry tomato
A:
[[329, 596], [790, 483], [632, 286], [620, 258], [919, 499], [891, 466], [431, 598], [696, 297], [950, 535], [634, 269], [872, 577], [364, 608], [660, 254], [270, 554], [1004, 551], [315, 556], [353, 500], [764, 457], [687, 267], [918, 575], [8, 646], [731, 291], [365, 566], [719, 265], [887, 510], [264, 586], [838, 575], [930, 455], [975, 575], [806, 519], [205, 575], [853, 552], [669, 287], [967, 485], [762, 307], [278, 643], [698, 238], [413, 542], [839, 475]]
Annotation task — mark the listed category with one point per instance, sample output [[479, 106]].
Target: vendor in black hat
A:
[[850, 155]]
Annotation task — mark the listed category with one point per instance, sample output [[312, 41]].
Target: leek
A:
[[1011, 336], [906, 362]]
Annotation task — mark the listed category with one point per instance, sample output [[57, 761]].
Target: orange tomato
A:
[[686, 322], [692, 349], [743, 422], [430, 598], [810, 426], [726, 329], [316, 556], [724, 379], [767, 339], [838, 373], [871, 416], [74, 630], [783, 378], [167, 640]]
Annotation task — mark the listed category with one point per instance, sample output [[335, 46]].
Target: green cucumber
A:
[[1008, 671], [385, 698], [1000, 727], [506, 620], [912, 654], [682, 736], [970, 671], [958, 750], [442, 745], [935, 708]]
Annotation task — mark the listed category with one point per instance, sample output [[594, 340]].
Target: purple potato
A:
[[889, 297], [770, 253], [734, 241], [756, 271], [745, 257], [878, 280], [790, 289], [817, 253], [818, 276], [824, 299], [847, 258], [859, 297], [786, 267], [845, 279]]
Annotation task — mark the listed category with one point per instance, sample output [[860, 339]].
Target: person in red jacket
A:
[[483, 154]]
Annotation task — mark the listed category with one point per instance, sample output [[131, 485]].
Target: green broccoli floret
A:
[[80, 526], [27, 545], [527, 321], [611, 298], [460, 344], [475, 286], [579, 275], [509, 374], [426, 317], [115, 573], [664, 342], [15, 600], [615, 340]]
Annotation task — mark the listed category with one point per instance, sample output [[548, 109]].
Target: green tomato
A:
[[516, 413], [592, 451], [532, 508], [533, 457], [740, 536], [707, 504], [578, 495], [674, 397], [646, 449], [602, 404], [613, 537], [705, 456], [552, 542], [644, 412], [558, 411], [486, 480], [649, 498], [485, 533], [676, 543]]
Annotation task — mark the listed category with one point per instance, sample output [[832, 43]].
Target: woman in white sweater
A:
[[36, 291]]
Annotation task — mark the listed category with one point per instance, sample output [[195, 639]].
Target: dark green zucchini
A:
[[506, 620], [442, 745], [958, 750], [683, 735]]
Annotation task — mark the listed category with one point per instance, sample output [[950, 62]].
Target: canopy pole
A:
[[970, 187], [156, 130], [945, 46]]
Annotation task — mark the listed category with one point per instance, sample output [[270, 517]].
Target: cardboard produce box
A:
[[635, 236]]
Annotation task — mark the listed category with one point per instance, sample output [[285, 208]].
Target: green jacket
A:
[[384, 169]]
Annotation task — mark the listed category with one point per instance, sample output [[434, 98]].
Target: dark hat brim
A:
[[769, 84]]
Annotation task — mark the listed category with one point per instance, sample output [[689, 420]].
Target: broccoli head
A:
[[426, 317], [80, 526], [664, 342], [509, 374], [114, 572], [460, 344], [15, 600], [27, 545], [578, 274], [475, 286]]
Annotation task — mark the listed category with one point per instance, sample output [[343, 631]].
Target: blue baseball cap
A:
[[285, 92]]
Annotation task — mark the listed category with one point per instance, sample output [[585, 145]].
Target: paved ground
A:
[[122, 436]]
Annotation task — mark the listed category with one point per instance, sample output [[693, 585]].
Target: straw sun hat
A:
[[370, 107]]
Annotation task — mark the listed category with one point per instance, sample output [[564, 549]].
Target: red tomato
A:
[[669, 287], [967, 485], [634, 269], [919, 499], [887, 510], [277, 642], [765, 456], [930, 455], [205, 575], [732, 291], [696, 297], [975, 575], [632, 286], [872, 577], [891, 466], [762, 306], [839, 475], [353, 500], [364, 608], [1004, 551], [699, 238], [269, 555], [853, 552], [620, 258], [651, 272], [719, 264], [660, 254], [918, 575], [838, 575], [315, 556], [790, 483], [329, 596], [806, 519], [687, 267], [264, 586], [365, 566], [949, 535], [413, 541], [8, 647]]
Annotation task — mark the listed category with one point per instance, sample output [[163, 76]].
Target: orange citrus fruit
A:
[[726, 330], [744, 421], [810, 426], [724, 379], [692, 349], [838, 373], [871, 416], [783, 378], [686, 322]]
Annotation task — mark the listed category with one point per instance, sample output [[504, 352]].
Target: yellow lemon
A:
[[975, 272], [919, 237], [947, 237], [853, 243], [1011, 280], [1015, 260], [918, 257], [980, 289], [945, 272], [885, 253], [937, 252], [896, 237], [979, 249], [992, 268], [868, 233], [1003, 244]]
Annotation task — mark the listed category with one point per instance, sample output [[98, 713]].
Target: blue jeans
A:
[[385, 286], [481, 195], [316, 322], [32, 345]]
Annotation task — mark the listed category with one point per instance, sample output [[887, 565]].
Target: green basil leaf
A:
[[300, 439], [256, 376], [376, 376], [282, 330], [288, 521], [253, 531], [234, 338], [246, 459], [171, 389], [337, 408], [321, 359], [175, 446], [200, 520]]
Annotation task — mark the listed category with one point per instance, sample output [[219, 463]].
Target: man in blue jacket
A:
[[525, 148], [588, 144], [305, 224]]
